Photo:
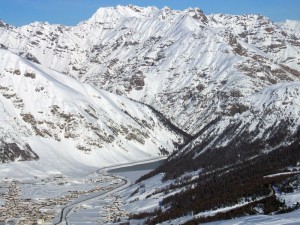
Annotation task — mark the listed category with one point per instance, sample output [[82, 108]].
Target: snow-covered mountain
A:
[[187, 65], [37, 101], [258, 124], [292, 27], [133, 81]]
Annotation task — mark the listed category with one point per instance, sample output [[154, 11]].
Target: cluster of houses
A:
[[22, 211], [17, 210], [114, 211]]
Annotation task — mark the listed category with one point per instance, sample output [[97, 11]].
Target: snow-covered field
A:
[[55, 179], [90, 213], [292, 218], [291, 198], [108, 207], [98, 210]]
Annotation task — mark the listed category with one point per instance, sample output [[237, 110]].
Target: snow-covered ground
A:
[[291, 199], [90, 213], [292, 218], [68, 176], [147, 195], [106, 206], [60, 172]]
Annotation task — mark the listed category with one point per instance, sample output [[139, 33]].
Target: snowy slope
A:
[[291, 26], [258, 123], [39, 102], [184, 63], [288, 218], [230, 81]]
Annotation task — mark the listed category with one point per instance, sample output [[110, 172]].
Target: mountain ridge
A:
[[219, 92], [179, 54]]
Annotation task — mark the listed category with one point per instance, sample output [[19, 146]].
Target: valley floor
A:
[[60, 199], [102, 197]]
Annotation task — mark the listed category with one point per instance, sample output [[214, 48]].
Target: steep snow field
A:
[[65, 122]]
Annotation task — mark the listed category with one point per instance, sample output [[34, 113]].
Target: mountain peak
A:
[[109, 13], [3, 24], [291, 26]]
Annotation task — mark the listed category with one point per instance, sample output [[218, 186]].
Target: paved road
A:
[[65, 211]]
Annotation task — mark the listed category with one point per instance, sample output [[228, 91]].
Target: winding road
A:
[[66, 210]]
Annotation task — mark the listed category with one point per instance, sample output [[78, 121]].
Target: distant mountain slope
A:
[[292, 27], [263, 122], [226, 170], [36, 101], [189, 66]]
